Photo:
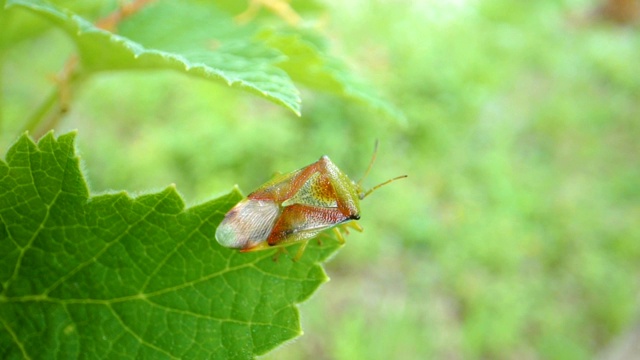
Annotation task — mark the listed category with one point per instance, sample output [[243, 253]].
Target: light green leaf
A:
[[188, 37], [202, 39], [111, 276], [308, 63]]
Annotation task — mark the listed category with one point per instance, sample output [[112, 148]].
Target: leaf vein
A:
[[41, 226], [137, 336], [14, 337], [84, 264]]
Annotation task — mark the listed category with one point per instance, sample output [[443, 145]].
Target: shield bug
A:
[[295, 207]]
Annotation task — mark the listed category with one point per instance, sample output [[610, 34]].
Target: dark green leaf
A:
[[104, 276]]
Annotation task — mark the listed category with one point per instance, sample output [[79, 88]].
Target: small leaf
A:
[[104, 276]]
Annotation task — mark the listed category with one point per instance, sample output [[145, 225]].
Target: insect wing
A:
[[300, 222], [248, 224], [277, 189]]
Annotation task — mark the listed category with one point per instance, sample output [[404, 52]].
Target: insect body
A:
[[293, 207]]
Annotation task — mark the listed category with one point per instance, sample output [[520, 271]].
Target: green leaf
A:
[[202, 39], [105, 276], [308, 63], [193, 38]]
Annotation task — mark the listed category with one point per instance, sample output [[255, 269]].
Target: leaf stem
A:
[[48, 115], [3, 52], [2, 59], [36, 118], [110, 22]]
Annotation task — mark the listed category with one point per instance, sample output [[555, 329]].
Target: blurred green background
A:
[[517, 233]]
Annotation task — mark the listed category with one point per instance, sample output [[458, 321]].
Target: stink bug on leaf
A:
[[295, 207]]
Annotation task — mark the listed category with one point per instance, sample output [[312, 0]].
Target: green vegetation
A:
[[113, 276], [516, 234]]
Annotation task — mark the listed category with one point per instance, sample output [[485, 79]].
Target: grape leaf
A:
[[202, 39], [189, 37], [104, 276]]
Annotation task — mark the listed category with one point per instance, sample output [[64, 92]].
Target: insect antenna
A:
[[381, 185], [373, 159]]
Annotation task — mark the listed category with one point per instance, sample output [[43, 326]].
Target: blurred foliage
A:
[[516, 234]]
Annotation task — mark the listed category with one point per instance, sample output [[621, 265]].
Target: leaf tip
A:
[[174, 196], [237, 190]]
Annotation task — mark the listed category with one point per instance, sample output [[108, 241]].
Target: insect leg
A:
[[300, 251], [280, 251], [339, 235]]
